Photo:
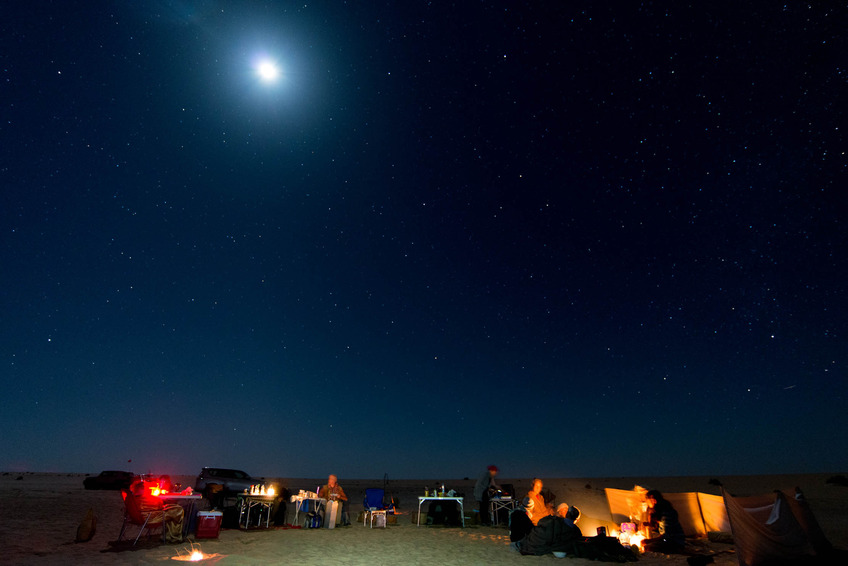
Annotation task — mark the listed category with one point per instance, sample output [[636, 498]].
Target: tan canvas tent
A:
[[714, 513], [778, 528], [699, 513]]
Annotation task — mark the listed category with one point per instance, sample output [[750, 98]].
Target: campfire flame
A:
[[636, 540], [192, 554], [629, 538]]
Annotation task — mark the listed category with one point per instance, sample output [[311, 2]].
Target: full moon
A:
[[268, 71]]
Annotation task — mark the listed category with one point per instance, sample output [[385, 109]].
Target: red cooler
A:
[[208, 524]]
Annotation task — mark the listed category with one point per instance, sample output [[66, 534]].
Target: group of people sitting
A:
[[536, 527]]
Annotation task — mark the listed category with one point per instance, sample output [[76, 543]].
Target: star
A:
[[268, 71]]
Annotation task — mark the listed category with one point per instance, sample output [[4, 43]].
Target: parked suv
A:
[[110, 479], [232, 481]]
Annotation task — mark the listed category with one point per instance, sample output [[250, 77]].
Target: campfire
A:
[[629, 536], [192, 554], [631, 539]]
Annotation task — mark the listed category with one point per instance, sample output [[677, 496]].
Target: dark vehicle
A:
[[110, 479], [228, 481]]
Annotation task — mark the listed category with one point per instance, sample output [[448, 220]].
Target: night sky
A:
[[566, 238]]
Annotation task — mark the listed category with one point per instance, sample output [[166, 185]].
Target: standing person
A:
[[485, 483], [537, 508], [332, 491], [663, 518]]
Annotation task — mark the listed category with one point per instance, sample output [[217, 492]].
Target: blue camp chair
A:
[[374, 504]]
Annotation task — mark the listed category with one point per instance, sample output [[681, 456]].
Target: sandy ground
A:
[[39, 515]]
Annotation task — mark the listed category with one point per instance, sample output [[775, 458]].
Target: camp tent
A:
[[778, 528], [699, 513]]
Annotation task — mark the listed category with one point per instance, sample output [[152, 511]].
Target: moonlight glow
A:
[[268, 71]]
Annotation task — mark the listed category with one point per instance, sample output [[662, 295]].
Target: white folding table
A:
[[422, 499]]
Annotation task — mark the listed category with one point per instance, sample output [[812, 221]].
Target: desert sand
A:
[[40, 513]]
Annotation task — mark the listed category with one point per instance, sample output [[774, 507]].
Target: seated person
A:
[[538, 508], [519, 523], [554, 533], [332, 491], [663, 518], [171, 515], [570, 516]]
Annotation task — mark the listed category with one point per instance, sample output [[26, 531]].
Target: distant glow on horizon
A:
[[268, 71]]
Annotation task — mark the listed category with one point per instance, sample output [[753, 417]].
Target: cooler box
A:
[[208, 524]]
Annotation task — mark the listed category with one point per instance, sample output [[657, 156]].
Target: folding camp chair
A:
[[147, 518], [374, 505]]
